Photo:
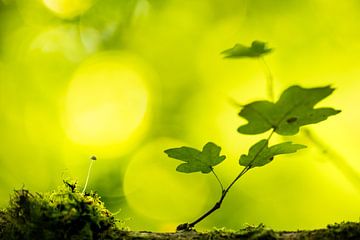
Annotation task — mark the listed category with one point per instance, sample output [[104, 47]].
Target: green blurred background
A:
[[126, 79]]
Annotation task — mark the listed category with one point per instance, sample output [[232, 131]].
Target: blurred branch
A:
[[269, 79], [340, 162]]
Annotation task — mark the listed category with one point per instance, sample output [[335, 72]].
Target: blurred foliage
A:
[[257, 49], [124, 80]]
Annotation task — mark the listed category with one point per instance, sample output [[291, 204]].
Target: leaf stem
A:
[[272, 132], [217, 178], [189, 226], [269, 79], [260, 150], [233, 102]]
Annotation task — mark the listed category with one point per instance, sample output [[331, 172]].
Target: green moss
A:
[[259, 232], [64, 213], [340, 231], [347, 230]]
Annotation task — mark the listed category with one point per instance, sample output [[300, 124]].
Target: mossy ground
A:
[[66, 213]]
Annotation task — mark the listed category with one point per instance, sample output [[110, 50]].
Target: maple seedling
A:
[[294, 109]]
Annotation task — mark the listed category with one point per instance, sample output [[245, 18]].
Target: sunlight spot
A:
[[154, 189], [106, 102], [68, 8], [62, 39]]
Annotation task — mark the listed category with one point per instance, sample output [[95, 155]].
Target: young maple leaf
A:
[[195, 160], [294, 109], [261, 154], [257, 49]]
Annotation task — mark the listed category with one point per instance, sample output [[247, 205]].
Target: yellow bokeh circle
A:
[[68, 8], [154, 189], [107, 101]]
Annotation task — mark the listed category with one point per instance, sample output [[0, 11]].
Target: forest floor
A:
[[66, 213], [342, 231]]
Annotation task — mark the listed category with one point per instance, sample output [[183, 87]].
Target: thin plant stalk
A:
[[345, 168], [189, 226]]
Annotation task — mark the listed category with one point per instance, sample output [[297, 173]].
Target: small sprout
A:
[[261, 116], [93, 158]]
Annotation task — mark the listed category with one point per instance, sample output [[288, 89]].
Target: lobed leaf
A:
[[257, 49], [294, 109], [260, 154], [195, 160]]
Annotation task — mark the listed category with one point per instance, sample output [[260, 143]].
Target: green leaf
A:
[[195, 160], [260, 154], [294, 109], [257, 49]]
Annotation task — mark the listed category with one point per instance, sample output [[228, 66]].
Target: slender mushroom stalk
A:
[[93, 158]]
